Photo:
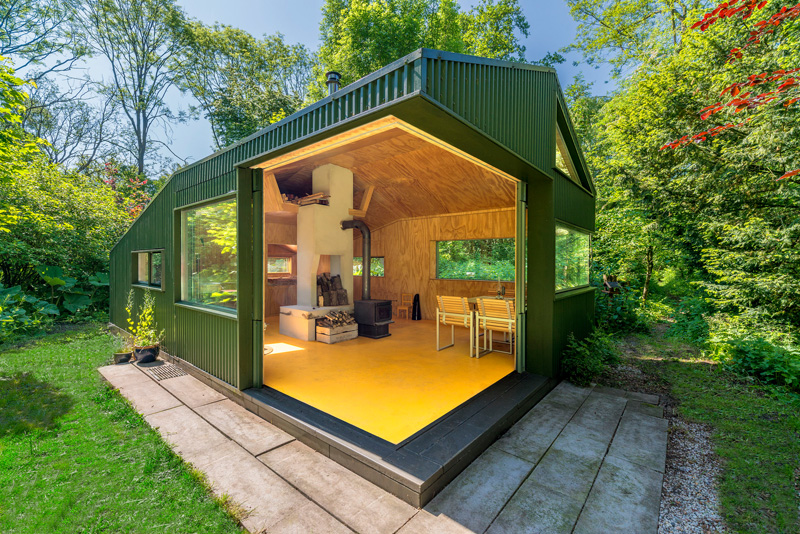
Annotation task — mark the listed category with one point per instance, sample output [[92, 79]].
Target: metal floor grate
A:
[[162, 372]]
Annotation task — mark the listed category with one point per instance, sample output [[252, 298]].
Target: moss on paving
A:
[[75, 457], [756, 431]]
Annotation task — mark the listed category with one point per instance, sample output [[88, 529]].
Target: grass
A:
[[756, 431], [76, 457]]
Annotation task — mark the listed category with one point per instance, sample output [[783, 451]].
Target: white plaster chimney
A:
[[319, 233]]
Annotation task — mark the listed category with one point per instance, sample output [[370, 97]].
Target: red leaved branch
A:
[[789, 174], [700, 137], [763, 27], [729, 9]]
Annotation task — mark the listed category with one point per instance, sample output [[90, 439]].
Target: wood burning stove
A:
[[373, 317]]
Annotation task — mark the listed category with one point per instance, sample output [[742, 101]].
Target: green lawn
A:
[[756, 432], [75, 457]]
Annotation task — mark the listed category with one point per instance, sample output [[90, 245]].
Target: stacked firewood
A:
[[330, 291], [316, 198], [336, 318]]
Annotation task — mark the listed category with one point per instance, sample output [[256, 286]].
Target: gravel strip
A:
[[689, 497]]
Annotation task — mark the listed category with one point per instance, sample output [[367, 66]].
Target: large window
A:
[[572, 258], [209, 270], [476, 259], [148, 268], [375, 268]]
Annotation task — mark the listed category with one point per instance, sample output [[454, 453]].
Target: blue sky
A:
[[551, 29]]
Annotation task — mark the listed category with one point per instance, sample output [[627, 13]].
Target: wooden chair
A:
[[406, 304], [495, 315], [454, 311]]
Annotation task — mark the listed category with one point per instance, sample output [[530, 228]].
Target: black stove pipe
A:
[[366, 259]]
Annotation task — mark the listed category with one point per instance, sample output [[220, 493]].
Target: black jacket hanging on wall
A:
[[416, 313]]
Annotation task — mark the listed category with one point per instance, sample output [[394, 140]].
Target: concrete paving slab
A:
[[567, 473], [579, 440], [645, 408], [567, 394], [244, 427], [148, 397], [357, 503], [478, 494], [123, 374], [614, 392], [191, 391], [536, 509], [641, 439], [427, 523], [624, 498], [194, 439], [530, 438], [600, 414], [253, 485], [642, 397], [311, 519]]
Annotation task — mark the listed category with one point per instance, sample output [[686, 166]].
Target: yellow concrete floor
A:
[[390, 387]]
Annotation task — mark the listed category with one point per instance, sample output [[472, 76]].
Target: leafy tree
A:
[[242, 83], [716, 205], [78, 130], [61, 219], [17, 148], [625, 34], [361, 36], [40, 34], [489, 30], [136, 38]]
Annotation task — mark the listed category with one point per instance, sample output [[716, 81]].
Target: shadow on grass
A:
[[27, 404]]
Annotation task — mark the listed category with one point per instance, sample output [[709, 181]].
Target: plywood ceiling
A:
[[413, 177]]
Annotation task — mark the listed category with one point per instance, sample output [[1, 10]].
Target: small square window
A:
[[148, 268]]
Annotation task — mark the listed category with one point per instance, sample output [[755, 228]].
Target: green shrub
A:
[[691, 322], [22, 314], [619, 313], [584, 360], [756, 357]]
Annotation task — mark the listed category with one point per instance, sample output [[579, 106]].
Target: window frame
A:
[[590, 234], [179, 214], [135, 282], [435, 263], [362, 266], [279, 274]]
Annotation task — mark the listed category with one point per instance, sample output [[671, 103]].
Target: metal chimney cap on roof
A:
[[333, 78]]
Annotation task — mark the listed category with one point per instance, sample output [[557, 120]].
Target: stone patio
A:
[[582, 460]]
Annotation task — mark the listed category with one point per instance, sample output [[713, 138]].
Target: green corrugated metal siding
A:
[[573, 204], [572, 313], [513, 104], [207, 341], [153, 231]]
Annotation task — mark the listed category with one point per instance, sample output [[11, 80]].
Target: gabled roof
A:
[[495, 108]]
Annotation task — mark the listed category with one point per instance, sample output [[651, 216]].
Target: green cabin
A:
[[443, 201]]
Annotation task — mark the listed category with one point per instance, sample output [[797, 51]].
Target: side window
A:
[[148, 268], [572, 258]]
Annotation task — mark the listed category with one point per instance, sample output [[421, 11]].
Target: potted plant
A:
[[146, 336], [124, 351]]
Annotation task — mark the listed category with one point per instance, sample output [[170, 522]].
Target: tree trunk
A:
[[649, 265]]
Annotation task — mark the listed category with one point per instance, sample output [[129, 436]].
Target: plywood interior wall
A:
[[406, 247], [279, 229]]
